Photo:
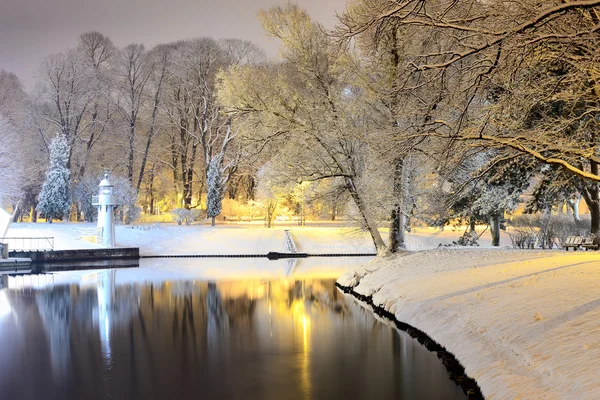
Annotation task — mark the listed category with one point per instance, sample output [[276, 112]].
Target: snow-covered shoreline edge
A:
[[523, 323], [456, 371]]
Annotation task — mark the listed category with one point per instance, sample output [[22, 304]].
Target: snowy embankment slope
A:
[[525, 324]]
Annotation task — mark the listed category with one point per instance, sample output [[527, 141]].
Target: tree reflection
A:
[[222, 339]]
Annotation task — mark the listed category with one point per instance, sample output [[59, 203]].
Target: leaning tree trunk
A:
[[371, 227], [17, 213], [573, 205]]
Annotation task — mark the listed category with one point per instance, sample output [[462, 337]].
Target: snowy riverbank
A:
[[525, 324], [170, 238]]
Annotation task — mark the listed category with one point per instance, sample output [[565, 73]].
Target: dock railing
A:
[[29, 243]]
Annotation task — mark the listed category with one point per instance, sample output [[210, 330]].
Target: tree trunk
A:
[[33, 212], [157, 95], [575, 208], [495, 229], [131, 151], [595, 215], [175, 163], [398, 217], [543, 238], [90, 141], [472, 232], [17, 212], [232, 189], [371, 227], [591, 196], [151, 191], [271, 208], [594, 191], [189, 178], [213, 219]]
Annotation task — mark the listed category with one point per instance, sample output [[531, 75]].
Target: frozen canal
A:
[[105, 335]]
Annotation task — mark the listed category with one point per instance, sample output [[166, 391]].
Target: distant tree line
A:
[[408, 112]]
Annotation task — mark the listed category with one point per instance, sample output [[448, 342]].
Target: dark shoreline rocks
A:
[[455, 369]]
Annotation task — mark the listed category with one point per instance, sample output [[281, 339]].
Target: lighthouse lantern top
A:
[[105, 188], [104, 182]]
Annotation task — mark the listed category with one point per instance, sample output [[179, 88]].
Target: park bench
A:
[[579, 242], [573, 241], [590, 243]]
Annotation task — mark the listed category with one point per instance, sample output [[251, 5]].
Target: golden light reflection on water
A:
[[305, 373], [287, 337]]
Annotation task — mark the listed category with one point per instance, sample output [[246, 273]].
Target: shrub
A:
[[182, 215], [526, 230]]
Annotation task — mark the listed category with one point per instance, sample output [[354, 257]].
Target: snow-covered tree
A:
[[55, 198], [214, 195], [126, 197], [480, 190], [66, 88]]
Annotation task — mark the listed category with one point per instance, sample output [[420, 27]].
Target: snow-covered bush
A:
[[526, 230], [126, 197], [82, 195], [54, 200], [182, 215], [561, 227], [467, 239]]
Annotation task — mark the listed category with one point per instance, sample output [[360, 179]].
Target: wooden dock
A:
[[68, 256]]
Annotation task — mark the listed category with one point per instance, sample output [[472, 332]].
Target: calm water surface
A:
[[104, 338]]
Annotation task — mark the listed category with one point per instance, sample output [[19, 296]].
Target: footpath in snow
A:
[[524, 324]]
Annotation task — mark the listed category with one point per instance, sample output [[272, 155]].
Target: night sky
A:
[[33, 29]]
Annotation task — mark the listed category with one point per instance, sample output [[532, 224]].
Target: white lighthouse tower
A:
[[106, 203]]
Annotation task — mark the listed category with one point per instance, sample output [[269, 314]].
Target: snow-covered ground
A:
[[525, 324], [236, 239]]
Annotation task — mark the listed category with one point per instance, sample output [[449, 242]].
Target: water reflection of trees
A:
[[169, 339], [132, 331]]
